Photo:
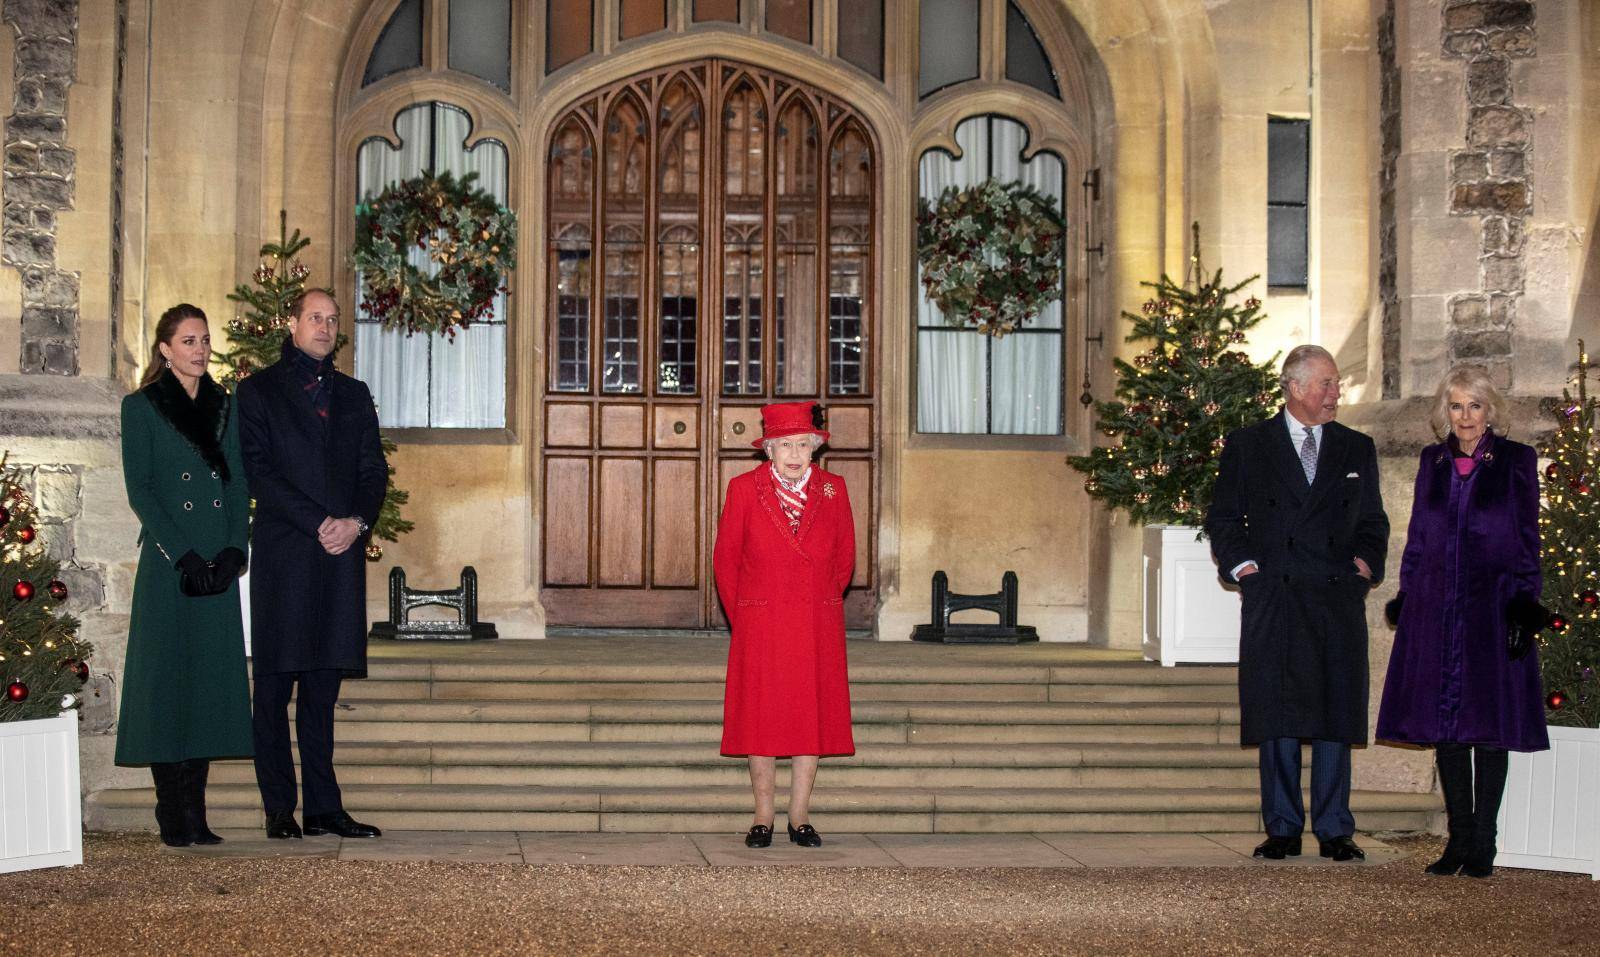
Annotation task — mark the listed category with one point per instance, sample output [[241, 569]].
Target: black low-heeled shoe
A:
[[760, 836], [805, 835]]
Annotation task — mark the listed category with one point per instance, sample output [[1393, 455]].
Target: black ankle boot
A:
[[1455, 780], [1488, 787], [195, 772], [170, 802]]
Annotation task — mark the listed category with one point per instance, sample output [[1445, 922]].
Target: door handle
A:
[[738, 428], [678, 428]]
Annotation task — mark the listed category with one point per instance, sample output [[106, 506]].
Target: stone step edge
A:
[[1111, 673], [703, 799]]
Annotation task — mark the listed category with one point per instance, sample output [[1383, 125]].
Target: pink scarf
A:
[[791, 497]]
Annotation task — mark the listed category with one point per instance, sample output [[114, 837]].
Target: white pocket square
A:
[[1353, 475]]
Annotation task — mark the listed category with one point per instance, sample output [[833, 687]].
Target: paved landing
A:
[[838, 850]]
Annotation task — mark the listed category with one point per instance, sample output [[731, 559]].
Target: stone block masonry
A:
[[38, 180], [1489, 176]]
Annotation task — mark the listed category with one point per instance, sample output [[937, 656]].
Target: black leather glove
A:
[[1391, 609], [227, 566], [195, 577], [1525, 618]]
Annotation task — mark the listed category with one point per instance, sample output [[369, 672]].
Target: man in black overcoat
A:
[[317, 472], [1298, 522]]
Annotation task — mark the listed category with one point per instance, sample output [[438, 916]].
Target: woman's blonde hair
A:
[[1474, 380]]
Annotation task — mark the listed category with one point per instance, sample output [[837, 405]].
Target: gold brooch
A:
[[827, 489]]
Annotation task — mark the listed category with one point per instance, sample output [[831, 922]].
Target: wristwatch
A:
[[362, 527]]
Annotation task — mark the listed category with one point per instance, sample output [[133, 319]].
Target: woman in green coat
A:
[[185, 696]]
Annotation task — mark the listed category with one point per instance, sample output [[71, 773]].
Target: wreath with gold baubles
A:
[[469, 241], [990, 254]]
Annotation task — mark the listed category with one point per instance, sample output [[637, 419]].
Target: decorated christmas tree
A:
[[255, 341], [42, 660], [1177, 399], [1570, 531]]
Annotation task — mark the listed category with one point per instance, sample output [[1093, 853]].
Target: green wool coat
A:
[[185, 693]]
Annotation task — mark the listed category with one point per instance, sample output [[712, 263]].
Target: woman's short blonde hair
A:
[[816, 443], [1474, 380]]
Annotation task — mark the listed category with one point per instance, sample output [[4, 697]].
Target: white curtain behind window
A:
[[966, 381], [429, 380]]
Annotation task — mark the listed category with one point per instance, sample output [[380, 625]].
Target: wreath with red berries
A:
[[467, 241], [990, 254]]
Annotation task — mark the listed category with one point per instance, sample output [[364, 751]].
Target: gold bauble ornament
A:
[[374, 551]]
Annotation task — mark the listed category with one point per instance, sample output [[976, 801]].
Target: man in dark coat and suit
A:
[[1298, 522], [317, 472]]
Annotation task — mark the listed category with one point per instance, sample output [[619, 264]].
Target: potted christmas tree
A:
[[1550, 817], [42, 671], [1175, 403]]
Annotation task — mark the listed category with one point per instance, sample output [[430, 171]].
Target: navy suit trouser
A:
[[1282, 810], [313, 724]]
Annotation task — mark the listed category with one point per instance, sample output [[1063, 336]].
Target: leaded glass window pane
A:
[[399, 46], [571, 175], [480, 40], [861, 36], [1026, 61], [949, 44], [569, 32], [1288, 214]]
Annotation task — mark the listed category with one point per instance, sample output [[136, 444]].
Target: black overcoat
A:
[[1303, 635], [308, 609]]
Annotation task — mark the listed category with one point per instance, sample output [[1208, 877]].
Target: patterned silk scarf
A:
[[791, 497]]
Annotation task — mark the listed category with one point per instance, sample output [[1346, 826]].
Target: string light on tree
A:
[[1570, 535]]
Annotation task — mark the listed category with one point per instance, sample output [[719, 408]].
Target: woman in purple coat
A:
[[1462, 677]]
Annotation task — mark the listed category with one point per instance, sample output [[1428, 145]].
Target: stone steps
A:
[[622, 734], [727, 809]]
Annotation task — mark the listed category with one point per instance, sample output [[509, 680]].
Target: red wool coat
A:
[[788, 688]]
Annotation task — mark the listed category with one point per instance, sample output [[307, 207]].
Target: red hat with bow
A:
[[788, 418]]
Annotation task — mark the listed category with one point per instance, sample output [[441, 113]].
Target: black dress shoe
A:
[[1277, 848], [805, 835], [339, 823], [760, 836], [281, 825], [1342, 849]]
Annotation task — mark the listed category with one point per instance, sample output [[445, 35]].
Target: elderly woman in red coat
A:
[[784, 555], [1463, 675]]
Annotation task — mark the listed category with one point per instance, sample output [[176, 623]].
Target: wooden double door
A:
[[709, 245]]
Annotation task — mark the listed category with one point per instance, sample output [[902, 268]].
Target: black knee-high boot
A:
[[170, 803], [195, 772], [1455, 780], [1488, 787]]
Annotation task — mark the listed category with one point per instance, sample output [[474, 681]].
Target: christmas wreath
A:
[[469, 239], [991, 254]]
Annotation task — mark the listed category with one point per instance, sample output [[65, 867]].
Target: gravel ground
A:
[[135, 897]]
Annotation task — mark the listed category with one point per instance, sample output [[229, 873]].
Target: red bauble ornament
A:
[[17, 691], [1556, 700], [1589, 597], [22, 591], [1558, 623], [58, 590], [26, 535], [1552, 471], [1583, 489], [82, 670]]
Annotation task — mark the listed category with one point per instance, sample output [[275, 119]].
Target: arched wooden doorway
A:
[[709, 247]]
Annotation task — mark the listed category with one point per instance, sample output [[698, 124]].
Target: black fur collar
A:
[[202, 421]]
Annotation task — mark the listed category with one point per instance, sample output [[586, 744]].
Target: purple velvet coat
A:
[[1473, 543]]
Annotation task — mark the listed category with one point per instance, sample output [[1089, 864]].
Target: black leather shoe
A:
[[1342, 849], [760, 836], [1277, 848], [281, 826], [805, 835], [339, 823]]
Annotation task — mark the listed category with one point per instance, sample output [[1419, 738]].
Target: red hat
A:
[[788, 418]]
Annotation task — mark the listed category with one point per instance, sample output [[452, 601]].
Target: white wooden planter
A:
[[1550, 817], [41, 818], [1188, 614]]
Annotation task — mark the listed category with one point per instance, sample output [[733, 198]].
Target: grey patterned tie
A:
[[1308, 455]]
